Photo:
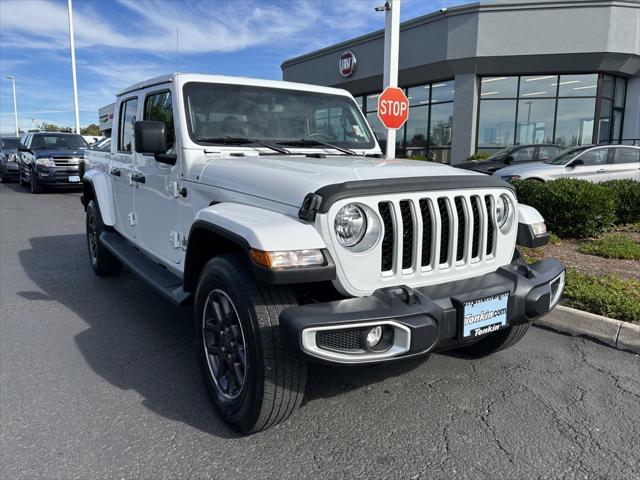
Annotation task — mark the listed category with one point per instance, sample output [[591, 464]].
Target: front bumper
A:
[[423, 319], [61, 176], [10, 170]]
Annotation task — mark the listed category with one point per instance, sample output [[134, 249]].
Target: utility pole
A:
[[391, 54], [73, 67], [15, 104]]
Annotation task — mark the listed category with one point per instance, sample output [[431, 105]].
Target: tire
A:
[[494, 342], [272, 381], [102, 260], [35, 185], [20, 179], [3, 179]]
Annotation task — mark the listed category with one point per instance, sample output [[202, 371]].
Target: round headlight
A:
[[502, 210], [350, 225]]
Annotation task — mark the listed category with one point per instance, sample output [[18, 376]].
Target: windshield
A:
[[500, 153], [566, 156], [71, 142], [10, 143], [217, 111]]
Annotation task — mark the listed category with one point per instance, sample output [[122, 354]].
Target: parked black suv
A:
[[517, 154], [50, 159], [8, 158]]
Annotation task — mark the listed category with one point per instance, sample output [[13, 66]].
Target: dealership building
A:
[[483, 76]]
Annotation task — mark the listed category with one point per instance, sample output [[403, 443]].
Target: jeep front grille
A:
[[450, 230]]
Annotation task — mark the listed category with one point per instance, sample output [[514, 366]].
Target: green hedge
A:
[[627, 194], [571, 207], [479, 156]]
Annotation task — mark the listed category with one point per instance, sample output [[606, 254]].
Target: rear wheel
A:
[[102, 260], [253, 381]]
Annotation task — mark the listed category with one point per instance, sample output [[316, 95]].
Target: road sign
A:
[[393, 108]]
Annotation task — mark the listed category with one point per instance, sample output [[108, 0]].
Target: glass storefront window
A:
[[607, 86], [372, 102], [604, 123], [621, 84], [418, 95], [535, 121], [417, 126], [496, 123], [538, 86], [578, 85], [442, 92], [441, 125], [499, 87], [360, 102], [574, 123]]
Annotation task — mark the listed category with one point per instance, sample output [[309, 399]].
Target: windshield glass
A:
[[10, 143], [217, 111], [499, 154], [566, 156], [72, 142]]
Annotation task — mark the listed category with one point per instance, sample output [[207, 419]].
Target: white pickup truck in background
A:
[[268, 207]]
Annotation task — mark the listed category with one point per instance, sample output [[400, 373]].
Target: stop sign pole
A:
[[391, 53]]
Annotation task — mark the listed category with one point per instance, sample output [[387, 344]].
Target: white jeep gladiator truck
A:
[[266, 206]]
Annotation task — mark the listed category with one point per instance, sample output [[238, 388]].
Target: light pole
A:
[[73, 66], [15, 104]]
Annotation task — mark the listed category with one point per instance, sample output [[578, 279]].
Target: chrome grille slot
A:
[[385, 210], [461, 230], [427, 232], [490, 225], [407, 234], [445, 230], [475, 234], [65, 161]]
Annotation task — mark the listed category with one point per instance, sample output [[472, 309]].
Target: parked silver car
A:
[[588, 162]]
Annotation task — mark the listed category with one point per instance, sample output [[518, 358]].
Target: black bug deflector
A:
[[431, 314]]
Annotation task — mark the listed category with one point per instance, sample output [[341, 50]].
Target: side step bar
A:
[[162, 280]]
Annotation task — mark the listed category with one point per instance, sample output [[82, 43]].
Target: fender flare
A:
[[100, 185], [247, 227]]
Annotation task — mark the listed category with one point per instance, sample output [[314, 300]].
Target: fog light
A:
[[539, 228], [374, 336]]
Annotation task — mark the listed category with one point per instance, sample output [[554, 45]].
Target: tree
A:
[[91, 129]]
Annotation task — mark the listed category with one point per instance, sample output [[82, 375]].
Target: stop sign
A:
[[393, 107]]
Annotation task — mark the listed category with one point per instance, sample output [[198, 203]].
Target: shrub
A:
[[627, 194], [570, 207], [612, 246], [479, 156], [606, 295]]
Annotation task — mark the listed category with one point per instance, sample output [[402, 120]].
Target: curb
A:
[[615, 333]]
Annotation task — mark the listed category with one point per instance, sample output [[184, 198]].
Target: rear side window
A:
[[523, 154], [595, 157], [128, 112], [547, 152], [158, 107], [626, 155]]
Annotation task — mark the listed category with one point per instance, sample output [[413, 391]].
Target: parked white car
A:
[[268, 207], [587, 162]]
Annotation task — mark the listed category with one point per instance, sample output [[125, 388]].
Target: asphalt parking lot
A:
[[98, 380]]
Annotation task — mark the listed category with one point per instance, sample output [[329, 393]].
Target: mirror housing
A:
[[508, 159], [576, 162], [151, 137]]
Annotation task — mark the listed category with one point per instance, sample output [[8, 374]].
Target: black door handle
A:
[[138, 178], [115, 172]]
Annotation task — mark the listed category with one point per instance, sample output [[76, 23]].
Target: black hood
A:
[[58, 152]]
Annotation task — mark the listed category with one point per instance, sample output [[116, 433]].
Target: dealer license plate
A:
[[484, 315], [74, 178]]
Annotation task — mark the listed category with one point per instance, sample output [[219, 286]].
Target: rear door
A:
[[156, 199], [625, 163], [122, 167], [596, 167]]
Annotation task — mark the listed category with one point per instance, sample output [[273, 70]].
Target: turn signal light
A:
[[287, 258]]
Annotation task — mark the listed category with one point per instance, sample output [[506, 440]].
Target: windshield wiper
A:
[[310, 142], [243, 141]]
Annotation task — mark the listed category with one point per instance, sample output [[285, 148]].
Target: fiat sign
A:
[[347, 64], [393, 107]]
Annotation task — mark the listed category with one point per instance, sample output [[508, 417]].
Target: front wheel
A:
[[21, 180], [253, 381], [36, 186], [103, 262]]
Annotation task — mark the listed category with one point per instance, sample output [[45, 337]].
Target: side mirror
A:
[[151, 137], [22, 148], [576, 162], [508, 159]]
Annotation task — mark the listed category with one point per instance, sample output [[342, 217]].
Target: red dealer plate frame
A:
[[398, 115]]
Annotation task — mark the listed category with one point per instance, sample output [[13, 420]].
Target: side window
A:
[[523, 154], [128, 112], [157, 107], [595, 157], [626, 155], [547, 152]]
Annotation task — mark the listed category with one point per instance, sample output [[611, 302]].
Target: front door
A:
[[157, 198], [595, 166], [122, 167]]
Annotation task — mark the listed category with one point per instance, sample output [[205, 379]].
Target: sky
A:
[[121, 42]]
